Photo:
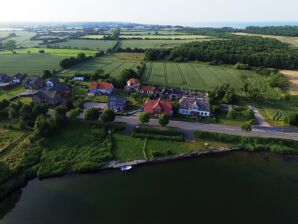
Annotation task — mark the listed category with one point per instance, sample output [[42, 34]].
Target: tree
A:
[[91, 114], [58, 118], [125, 75], [10, 45], [46, 74], [248, 114], [108, 116], [163, 120], [231, 114], [144, 117], [246, 126], [39, 109], [12, 113], [291, 118], [74, 113], [26, 112], [41, 128], [116, 33], [21, 123]]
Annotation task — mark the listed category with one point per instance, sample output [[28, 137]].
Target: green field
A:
[[28, 63], [58, 52], [113, 64], [198, 76], [23, 39], [145, 44], [11, 92], [86, 44]]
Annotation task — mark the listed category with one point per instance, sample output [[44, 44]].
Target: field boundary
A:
[[184, 82]]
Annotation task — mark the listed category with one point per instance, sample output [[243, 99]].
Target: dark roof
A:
[[188, 102], [118, 101], [54, 80], [59, 88], [4, 78], [46, 94]]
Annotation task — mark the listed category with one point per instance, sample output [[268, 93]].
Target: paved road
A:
[[190, 127], [260, 119]]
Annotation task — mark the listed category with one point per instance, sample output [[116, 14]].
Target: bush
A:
[[91, 114]]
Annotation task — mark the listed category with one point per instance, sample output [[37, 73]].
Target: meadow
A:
[[23, 38], [85, 44], [151, 36], [11, 92]]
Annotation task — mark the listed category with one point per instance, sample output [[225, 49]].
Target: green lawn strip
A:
[[127, 148], [11, 92]]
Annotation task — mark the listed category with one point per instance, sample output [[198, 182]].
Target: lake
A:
[[231, 188]]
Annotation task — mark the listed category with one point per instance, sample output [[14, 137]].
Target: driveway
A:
[[259, 118]]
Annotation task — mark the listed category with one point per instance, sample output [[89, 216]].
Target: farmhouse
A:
[[157, 107], [7, 81], [56, 95], [194, 106], [133, 84], [33, 82], [147, 90], [117, 103], [52, 82], [101, 88]]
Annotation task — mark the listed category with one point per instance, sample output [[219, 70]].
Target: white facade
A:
[[79, 79]]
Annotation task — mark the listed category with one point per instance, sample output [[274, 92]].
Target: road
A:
[[189, 127]]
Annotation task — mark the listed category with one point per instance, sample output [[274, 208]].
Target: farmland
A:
[[143, 36], [28, 63], [113, 64], [86, 44], [145, 44], [198, 76], [23, 38]]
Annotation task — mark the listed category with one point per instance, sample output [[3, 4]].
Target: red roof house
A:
[[133, 84], [157, 107], [146, 90], [98, 88]]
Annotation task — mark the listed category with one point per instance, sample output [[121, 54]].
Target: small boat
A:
[[125, 168]]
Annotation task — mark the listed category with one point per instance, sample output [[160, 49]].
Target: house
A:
[[147, 90], [117, 103], [16, 79], [59, 94], [157, 107], [133, 84], [81, 79], [52, 82], [5, 81], [101, 88], [33, 82], [194, 106]]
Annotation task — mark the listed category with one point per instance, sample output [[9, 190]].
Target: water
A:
[[233, 188]]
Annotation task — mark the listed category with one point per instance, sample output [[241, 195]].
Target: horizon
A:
[[142, 12]]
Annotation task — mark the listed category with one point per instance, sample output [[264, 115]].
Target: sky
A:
[[173, 12]]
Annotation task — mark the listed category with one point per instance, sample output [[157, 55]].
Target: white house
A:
[[52, 82], [194, 106]]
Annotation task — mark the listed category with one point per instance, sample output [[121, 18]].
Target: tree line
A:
[[291, 31], [254, 51]]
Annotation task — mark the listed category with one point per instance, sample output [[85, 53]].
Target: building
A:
[[4, 78], [133, 84], [117, 103], [194, 106], [6, 81], [81, 79], [101, 88], [59, 94], [33, 82], [157, 107], [52, 82], [146, 90]]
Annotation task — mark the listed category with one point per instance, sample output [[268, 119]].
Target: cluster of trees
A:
[[277, 80], [128, 49], [223, 32], [69, 62], [222, 94], [92, 114], [10, 45], [291, 31], [291, 118], [253, 51], [44, 127], [246, 112], [163, 119]]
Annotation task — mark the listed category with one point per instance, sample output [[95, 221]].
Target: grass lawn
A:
[[222, 119], [97, 99], [8, 93], [127, 148]]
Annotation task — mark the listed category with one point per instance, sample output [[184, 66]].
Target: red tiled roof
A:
[[133, 81], [101, 85], [147, 88], [163, 105]]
